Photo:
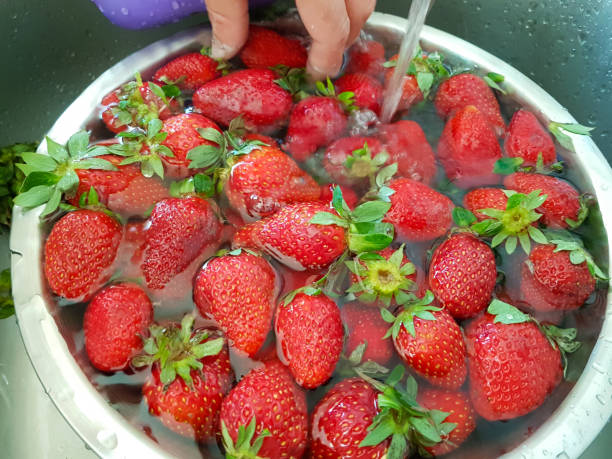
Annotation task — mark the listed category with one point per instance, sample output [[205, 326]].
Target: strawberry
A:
[[551, 281], [135, 104], [124, 191], [79, 253], [418, 212], [291, 238], [351, 161], [485, 198], [268, 398], [115, 320], [132, 249], [527, 139], [562, 207], [367, 90], [411, 94], [366, 56], [465, 89], [180, 232], [365, 326], [188, 72], [468, 149], [317, 120], [309, 336], [428, 339], [190, 375], [349, 195], [251, 93], [238, 290], [407, 146], [265, 180], [460, 412], [383, 278], [341, 419], [267, 48], [462, 275], [183, 136], [514, 361]]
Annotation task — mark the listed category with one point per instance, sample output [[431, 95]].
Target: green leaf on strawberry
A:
[[49, 177], [346, 98], [493, 79], [565, 241], [293, 80], [413, 307], [361, 164], [245, 446], [428, 69], [177, 350], [507, 166], [559, 130]]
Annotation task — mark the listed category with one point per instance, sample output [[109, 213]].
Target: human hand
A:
[[332, 24]]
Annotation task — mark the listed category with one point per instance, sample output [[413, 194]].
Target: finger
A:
[[358, 12], [328, 24], [230, 25]]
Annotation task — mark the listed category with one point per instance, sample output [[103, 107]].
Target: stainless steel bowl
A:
[[569, 430]]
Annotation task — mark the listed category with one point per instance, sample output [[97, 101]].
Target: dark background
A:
[[51, 50]]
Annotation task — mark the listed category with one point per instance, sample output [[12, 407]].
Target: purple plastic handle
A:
[[140, 14]]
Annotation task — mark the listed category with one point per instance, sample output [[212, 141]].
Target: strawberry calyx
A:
[[245, 447], [223, 66], [563, 339], [177, 349], [565, 241], [510, 165], [400, 417], [560, 130], [513, 225], [51, 176], [293, 80], [586, 200], [199, 185], [144, 147], [493, 80], [381, 279], [428, 70], [353, 364], [346, 98], [361, 164], [413, 307], [366, 230], [91, 201]]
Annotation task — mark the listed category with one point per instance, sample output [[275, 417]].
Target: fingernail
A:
[[221, 50]]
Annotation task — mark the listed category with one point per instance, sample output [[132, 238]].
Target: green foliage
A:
[[11, 177], [7, 306]]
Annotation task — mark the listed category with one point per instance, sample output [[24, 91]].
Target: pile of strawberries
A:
[[310, 240]]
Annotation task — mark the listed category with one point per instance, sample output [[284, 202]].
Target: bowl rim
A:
[[566, 433]]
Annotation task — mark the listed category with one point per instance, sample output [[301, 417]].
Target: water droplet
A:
[[601, 399], [562, 455], [107, 439], [124, 11]]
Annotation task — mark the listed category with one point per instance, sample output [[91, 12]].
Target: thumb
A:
[[230, 26]]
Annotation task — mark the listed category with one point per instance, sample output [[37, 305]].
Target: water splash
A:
[[393, 91]]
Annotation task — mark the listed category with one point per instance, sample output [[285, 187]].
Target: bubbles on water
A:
[[107, 439]]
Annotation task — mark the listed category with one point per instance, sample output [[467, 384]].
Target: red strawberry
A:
[[341, 419], [115, 321], [418, 212], [551, 282], [364, 325], [465, 89], [265, 180], [562, 201], [327, 194], [317, 120], [367, 90], [350, 163], [238, 291], [132, 249], [191, 374], [460, 412], [79, 253], [513, 365], [485, 198], [188, 72], [407, 146], [527, 139], [268, 396], [135, 104], [181, 231], [429, 340], [289, 237], [262, 138], [384, 280], [462, 275], [266, 48], [182, 136], [251, 93], [411, 93], [366, 56], [468, 149], [309, 337]]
